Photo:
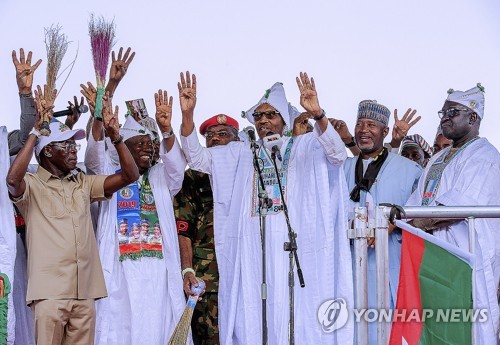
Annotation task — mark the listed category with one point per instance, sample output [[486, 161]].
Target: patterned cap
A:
[[131, 128], [372, 110], [418, 141], [472, 99]]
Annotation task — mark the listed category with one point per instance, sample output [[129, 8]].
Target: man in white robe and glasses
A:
[[467, 174], [316, 196]]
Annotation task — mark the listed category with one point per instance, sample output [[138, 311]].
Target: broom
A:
[[102, 39], [56, 44], [180, 335]]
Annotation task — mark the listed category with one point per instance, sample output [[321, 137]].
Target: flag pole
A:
[[360, 271], [382, 271], [472, 250]]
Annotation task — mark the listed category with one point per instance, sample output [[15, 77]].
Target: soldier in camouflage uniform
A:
[[193, 208]]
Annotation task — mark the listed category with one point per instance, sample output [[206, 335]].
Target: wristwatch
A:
[[35, 132], [167, 135], [317, 118], [117, 141], [351, 144]]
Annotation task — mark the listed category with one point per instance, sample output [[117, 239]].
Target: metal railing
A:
[[366, 228]]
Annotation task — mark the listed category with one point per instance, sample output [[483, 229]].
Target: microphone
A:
[[250, 132], [81, 109], [273, 142]]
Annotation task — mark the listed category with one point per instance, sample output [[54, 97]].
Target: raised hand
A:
[[342, 129], [110, 118], [44, 101], [72, 119], [163, 111], [24, 71], [187, 93], [308, 95], [300, 124], [90, 94], [44, 105], [119, 66], [401, 127]]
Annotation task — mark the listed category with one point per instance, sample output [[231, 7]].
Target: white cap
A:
[[58, 132], [132, 128], [275, 97], [472, 99]]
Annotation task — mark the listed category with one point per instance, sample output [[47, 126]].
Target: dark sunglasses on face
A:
[[268, 114], [451, 112]]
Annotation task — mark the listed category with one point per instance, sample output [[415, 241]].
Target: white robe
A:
[[7, 235], [317, 207], [145, 297], [472, 178]]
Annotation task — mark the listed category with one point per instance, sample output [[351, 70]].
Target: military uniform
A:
[[194, 215]]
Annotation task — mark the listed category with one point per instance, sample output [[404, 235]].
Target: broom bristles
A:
[[102, 39], [56, 44], [180, 335], [181, 331]]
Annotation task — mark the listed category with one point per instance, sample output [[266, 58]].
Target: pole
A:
[[472, 250], [382, 271], [361, 271]]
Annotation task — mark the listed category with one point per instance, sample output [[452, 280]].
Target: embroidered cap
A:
[[150, 123], [220, 119], [370, 109], [275, 97], [418, 141], [58, 132], [132, 128], [472, 99]]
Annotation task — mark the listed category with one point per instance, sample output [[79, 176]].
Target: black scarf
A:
[[365, 182]]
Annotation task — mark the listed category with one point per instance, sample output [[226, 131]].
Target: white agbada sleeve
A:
[[7, 235], [95, 156], [174, 164], [197, 156], [333, 145]]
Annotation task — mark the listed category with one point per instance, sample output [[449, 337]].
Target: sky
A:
[[404, 54]]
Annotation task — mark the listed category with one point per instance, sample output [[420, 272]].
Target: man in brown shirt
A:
[[64, 271]]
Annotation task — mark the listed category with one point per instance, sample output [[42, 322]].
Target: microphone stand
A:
[[265, 203], [291, 248]]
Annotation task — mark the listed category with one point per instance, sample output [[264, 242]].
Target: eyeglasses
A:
[[451, 112], [268, 114], [220, 134], [67, 146]]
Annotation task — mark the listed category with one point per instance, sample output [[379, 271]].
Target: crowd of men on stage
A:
[[111, 248]]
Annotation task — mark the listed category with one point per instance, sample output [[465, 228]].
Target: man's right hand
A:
[[189, 278], [24, 71]]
